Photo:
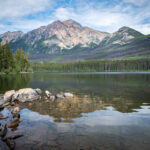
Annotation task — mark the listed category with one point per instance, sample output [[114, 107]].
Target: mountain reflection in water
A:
[[108, 111]]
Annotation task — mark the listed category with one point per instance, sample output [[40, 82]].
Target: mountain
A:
[[124, 43], [69, 41], [122, 36], [58, 36], [10, 36]]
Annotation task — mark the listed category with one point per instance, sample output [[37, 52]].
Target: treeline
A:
[[17, 62], [94, 66]]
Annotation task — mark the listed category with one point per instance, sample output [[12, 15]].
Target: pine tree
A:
[[9, 61], [1, 57]]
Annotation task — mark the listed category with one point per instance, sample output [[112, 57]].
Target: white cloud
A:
[[24, 25], [63, 13], [19, 8], [144, 28], [136, 2], [14, 14], [94, 14], [107, 19]]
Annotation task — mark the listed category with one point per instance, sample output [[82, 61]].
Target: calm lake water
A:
[[110, 111]]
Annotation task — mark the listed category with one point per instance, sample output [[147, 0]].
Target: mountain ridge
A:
[[71, 38]]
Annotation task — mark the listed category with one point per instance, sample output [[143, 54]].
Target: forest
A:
[[13, 62], [19, 62], [93, 66]]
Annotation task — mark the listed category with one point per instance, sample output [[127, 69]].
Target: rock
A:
[[3, 130], [2, 117], [14, 120], [6, 104], [12, 104], [52, 97], [16, 115], [38, 91], [8, 96], [16, 110], [25, 95], [10, 143], [1, 108], [59, 96], [48, 94], [14, 123], [1, 100], [68, 94]]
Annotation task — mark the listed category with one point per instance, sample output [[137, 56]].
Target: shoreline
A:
[[3, 73]]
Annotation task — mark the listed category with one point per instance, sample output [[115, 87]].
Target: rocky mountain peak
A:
[[66, 35], [123, 29], [129, 31], [10, 36], [123, 36], [56, 24], [72, 23]]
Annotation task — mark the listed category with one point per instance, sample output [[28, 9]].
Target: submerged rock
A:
[[25, 95], [10, 143], [14, 123], [3, 130], [2, 117], [68, 94]]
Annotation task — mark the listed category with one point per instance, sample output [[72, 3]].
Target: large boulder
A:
[[1, 100], [25, 95], [8, 96]]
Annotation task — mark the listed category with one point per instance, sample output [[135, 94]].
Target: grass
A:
[[137, 57], [57, 59]]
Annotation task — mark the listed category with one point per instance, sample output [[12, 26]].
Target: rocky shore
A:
[[10, 99], [28, 95]]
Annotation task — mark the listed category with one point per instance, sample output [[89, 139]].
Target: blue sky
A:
[[103, 15]]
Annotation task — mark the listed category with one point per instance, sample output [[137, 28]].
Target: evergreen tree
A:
[[1, 57], [10, 62]]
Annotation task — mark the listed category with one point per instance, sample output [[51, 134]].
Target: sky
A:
[[103, 15]]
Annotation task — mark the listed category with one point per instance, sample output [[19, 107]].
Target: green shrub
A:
[[17, 69], [30, 69], [7, 71]]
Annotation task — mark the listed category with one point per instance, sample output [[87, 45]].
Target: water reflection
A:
[[109, 111], [14, 81], [101, 129]]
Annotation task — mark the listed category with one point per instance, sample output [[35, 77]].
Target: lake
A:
[[110, 111]]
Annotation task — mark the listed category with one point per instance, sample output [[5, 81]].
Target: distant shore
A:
[[3, 73]]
